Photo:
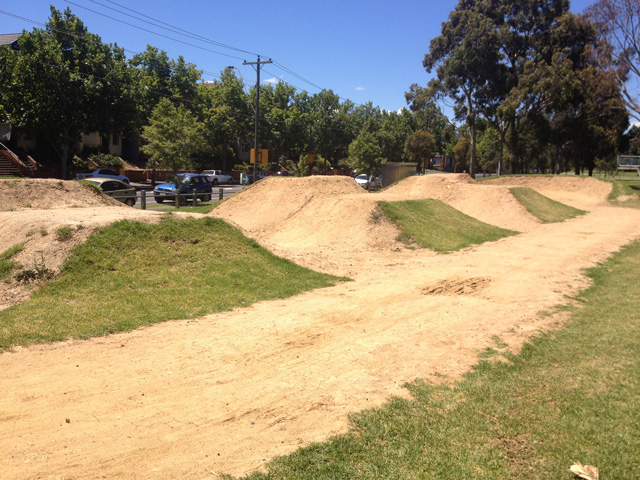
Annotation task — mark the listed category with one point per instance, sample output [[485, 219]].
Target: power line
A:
[[169, 27], [154, 33], [182, 32], [190, 34]]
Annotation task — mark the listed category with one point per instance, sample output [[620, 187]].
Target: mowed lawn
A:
[[433, 224]]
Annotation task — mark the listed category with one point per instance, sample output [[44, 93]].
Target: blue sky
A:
[[363, 51]]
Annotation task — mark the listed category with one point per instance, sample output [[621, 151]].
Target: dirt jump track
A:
[[226, 392]]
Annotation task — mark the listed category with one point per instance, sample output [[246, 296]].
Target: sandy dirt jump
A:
[[226, 392]]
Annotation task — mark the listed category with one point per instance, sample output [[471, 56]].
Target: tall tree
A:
[[62, 82], [465, 56], [618, 23]]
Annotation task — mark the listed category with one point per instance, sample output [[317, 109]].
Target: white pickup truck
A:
[[214, 177]]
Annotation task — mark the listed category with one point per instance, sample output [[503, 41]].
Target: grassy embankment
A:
[[545, 209], [433, 224], [132, 274], [569, 395]]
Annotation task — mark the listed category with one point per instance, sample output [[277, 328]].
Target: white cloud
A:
[[360, 88], [272, 80]]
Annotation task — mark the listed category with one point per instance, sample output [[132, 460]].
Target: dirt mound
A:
[[32, 211], [579, 192], [222, 393], [46, 193], [421, 185], [331, 222], [272, 201], [316, 221], [491, 204]]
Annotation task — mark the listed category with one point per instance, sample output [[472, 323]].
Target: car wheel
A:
[[207, 198], [159, 200], [215, 181], [130, 201]]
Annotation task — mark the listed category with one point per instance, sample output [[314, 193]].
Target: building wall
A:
[[94, 140]]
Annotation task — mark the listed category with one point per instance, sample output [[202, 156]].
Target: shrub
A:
[[107, 160]]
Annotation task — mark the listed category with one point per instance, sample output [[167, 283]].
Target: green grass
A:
[[569, 395], [132, 274], [625, 186], [543, 208], [203, 208], [7, 265], [433, 224]]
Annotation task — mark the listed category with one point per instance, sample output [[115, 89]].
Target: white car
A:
[[369, 181], [102, 173], [214, 177]]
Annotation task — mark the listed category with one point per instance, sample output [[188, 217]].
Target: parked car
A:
[[116, 189], [261, 175], [369, 181], [186, 184], [282, 173], [215, 177], [102, 173]]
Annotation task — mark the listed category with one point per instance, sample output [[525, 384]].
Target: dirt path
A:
[[226, 392]]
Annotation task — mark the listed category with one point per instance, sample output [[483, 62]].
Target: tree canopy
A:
[[533, 87], [529, 69], [62, 82]]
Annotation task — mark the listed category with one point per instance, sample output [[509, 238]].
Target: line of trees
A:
[[63, 81], [533, 86], [536, 85]]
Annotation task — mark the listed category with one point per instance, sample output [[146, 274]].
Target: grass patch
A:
[[543, 208], [64, 234], [131, 274], [626, 191], [433, 224], [7, 265], [569, 395], [203, 208]]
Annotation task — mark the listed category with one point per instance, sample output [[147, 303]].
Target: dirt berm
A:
[[225, 392]]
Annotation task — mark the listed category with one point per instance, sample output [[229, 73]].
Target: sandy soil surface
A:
[[226, 392]]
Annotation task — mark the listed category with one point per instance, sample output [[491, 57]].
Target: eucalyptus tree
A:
[[63, 81], [465, 56], [618, 24]]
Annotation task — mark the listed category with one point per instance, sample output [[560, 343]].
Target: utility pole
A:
[[256, 145]]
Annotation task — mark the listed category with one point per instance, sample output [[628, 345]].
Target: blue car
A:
[[186, 184]]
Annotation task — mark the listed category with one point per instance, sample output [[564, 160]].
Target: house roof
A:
[[9, 39]]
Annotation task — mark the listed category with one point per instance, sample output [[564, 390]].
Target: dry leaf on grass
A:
[[587, 472]]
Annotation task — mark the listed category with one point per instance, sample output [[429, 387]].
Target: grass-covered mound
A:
[[132, 274], [543, 208], [433, 224]]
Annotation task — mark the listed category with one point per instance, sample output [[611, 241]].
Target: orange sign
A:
[[263, 155]]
